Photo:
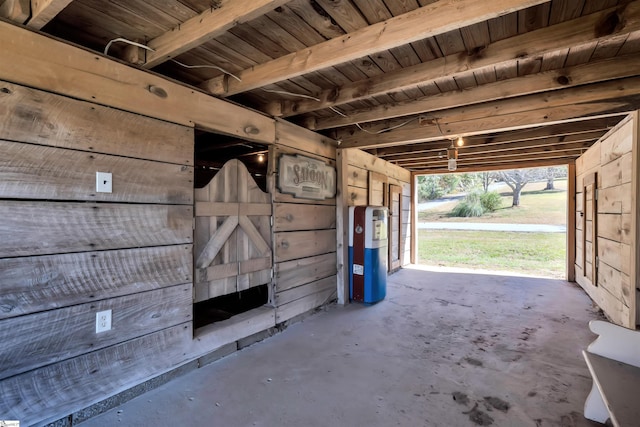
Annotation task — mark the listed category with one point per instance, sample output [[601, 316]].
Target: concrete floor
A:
[[444, 349]]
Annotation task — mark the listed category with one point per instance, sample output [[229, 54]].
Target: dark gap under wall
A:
[[225, 306], [212, 151]]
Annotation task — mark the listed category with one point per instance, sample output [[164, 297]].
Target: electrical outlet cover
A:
[[104, 182], [103, 321]]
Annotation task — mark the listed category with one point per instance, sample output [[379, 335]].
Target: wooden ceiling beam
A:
[[593, 72], [557, 142], [206, 26], [487, 167], [557, 150], [601, 125], [43, 11], [609, 98], [427, 21], [602, 25]]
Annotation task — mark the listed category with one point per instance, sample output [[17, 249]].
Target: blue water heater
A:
[[367, 253]]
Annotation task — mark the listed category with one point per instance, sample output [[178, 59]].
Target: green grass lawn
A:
[[540, 254], [536, 207]]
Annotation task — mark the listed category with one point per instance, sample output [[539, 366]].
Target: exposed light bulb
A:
[[460, 142], [261, 158]]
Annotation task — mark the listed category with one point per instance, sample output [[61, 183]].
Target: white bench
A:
[[614, 362]]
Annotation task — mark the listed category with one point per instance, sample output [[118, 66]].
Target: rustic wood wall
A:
[[368, 180], [68, 252], [304, 230], [606, 212]]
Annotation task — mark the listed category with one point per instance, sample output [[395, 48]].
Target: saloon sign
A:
[[306, 178]]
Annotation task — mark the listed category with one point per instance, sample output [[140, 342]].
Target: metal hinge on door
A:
[[595, 194]]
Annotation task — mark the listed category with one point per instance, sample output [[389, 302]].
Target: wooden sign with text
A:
[[306, 178]]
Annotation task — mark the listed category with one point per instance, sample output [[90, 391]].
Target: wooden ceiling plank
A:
[[344, 13], [43, 11], [205, 27], [565, 10], [15, 10], [593, 72], [561, 36], [321, 22], [437, 18]]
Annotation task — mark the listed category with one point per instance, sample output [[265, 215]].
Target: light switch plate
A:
[[104, 182]]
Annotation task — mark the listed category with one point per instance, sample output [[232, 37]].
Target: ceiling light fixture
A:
[[452, 157], [260, 157]]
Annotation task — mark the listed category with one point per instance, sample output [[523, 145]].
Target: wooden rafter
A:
[[493, 166], [593, 72], [427, 21], [43, 11], [578, 31], [204, 27], [581, 141], [609, 98], [564, 131]]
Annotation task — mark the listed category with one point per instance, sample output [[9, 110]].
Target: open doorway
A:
[[232, 234], [513, 221]]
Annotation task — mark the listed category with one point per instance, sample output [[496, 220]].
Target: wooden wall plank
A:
[[98, 79], [36, 172], [35, 116], [227, 331], [297, 272], [301, 244], [292, 294], [54, 391], [616, 172], [31, 284], [358, 177], [372, 163], [57, 335], [289, 217], [302, 305], [615, 145], [36, 228], [299, 138]]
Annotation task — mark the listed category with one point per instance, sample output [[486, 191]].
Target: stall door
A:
[[232, 240], [395, 227]]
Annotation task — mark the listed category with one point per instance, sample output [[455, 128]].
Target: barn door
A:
[[232, 241], [395, 227]]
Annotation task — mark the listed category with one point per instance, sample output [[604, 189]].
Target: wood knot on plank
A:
[[610, 24], [6, 90]]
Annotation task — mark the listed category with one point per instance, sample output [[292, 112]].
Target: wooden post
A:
[[634, 315], [342, 218], [414, 218], [571, 222]]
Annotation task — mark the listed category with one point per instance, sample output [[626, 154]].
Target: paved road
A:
[[487, 226]]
